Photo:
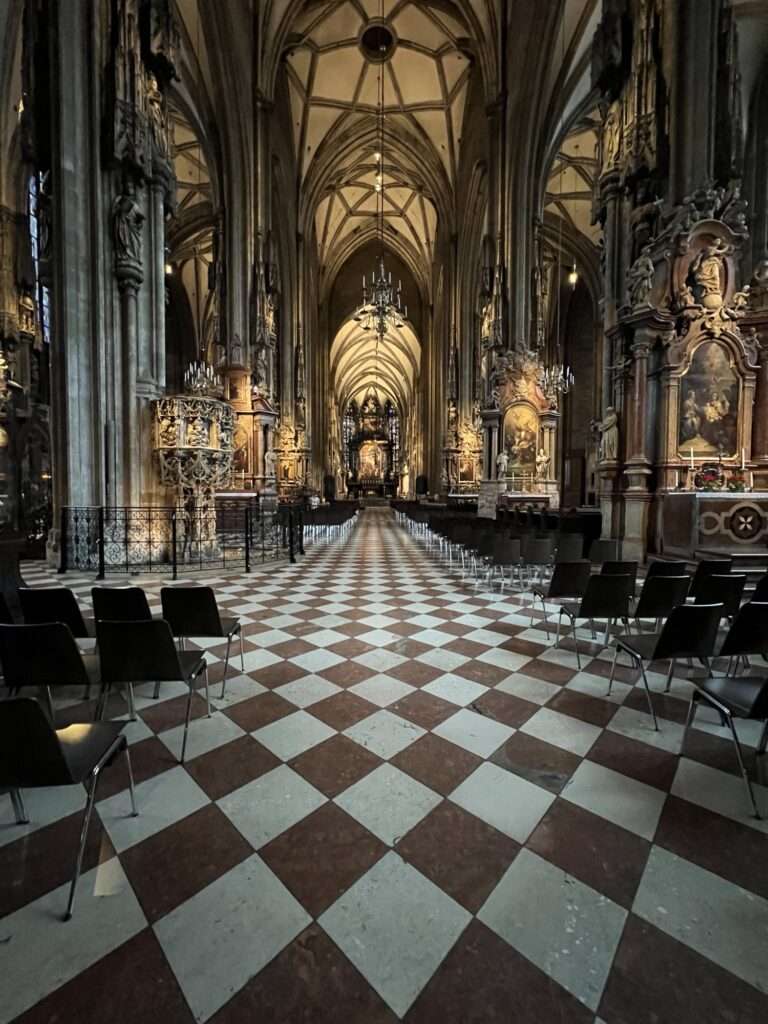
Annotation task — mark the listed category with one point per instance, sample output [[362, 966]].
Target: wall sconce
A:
[[573, 277]]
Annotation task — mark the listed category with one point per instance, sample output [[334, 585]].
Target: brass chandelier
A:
[[382, 306]]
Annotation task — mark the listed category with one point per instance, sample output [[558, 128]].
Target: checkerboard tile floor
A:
[[410, 806]]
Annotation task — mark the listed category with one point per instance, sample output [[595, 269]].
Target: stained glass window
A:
[[349, 429], [392, 419], [42, 293]]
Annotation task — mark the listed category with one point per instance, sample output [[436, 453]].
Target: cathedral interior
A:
[[384, 511]]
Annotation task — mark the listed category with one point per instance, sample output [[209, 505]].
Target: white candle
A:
[[743, 458], [692, 464]]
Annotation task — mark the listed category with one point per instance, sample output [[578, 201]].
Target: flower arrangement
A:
[[709, 479], [737, 481]]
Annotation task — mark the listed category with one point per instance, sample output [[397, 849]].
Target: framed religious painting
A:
[[709, 405], [521, 434]]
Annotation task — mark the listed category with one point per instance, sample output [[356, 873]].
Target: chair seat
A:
[[192, 663], [642, 646], [84, 745], [92, 667], [741, 694]]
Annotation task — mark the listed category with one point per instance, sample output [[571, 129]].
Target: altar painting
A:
[[709, 405], [521, 433], [371, 461]]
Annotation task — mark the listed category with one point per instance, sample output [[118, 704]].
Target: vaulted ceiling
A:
[[335, 82], [571, 180], [390, 366]]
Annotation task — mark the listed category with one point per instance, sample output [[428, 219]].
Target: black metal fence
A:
[[232, 537]]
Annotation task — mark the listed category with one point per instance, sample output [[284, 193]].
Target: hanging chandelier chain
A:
[[382, 307]]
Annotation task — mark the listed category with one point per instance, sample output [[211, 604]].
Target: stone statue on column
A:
[[609, 436], [127, 225], [640, 279]]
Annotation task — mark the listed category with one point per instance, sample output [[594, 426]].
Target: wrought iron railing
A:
[[232, 537]]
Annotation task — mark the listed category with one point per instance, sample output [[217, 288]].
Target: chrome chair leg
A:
[[131, 703], [131, 786], [669, 676], [648, 695], [688, 721], [242, 656], [763, 740], [613, 668], [49, 701], [83, 836], [226, 667], [186, 721], [576, 642], [742, 766], [17, 801]]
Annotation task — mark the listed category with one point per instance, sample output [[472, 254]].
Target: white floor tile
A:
[[292, 735], [39, 953], [476, 733], [509, 803], [596, 686], [527, 688], [384, 733], [307, 691], [456, 689], [317, 661], [382, 690], [447, 661], [720, 792], [388, 802], [381, 660], [161, 801], [638, 725], [618, 798], [325, 638], [433, 637], [44, 806], [205, 734], [396, 927], [510, 661], [266, 807], [254, 660], [718, 919], [225, 934], [564, 927], [562, 731]]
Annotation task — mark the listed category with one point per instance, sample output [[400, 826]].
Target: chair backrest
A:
[[725, 590], [710, 567], [120, 604], [569, 547], [6, 617], [749, 632], [52, 604], [134, 652], [538, 550], [191, 611], [611, 568], [662, 568], [603, 551], [760, 593], [689, 632], [570, 579], [607, 597], [660, 594], [41, 655], [30, 753], [506, 550]]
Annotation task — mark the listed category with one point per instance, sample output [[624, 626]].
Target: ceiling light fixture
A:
[[382, 308]]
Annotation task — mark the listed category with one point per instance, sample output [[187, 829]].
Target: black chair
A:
[[760, 593], [744, 697], [725, 590], [747, 636], [606, 597], [120, 604], [45, 655], [569, 580], [538, 555], [603, 551], [6, 616], [614, 568], [662, 568], [689, 632], [506, 555], [144, 652], [569, 547], [34, 754], [709, 567], [193, 612], [54, 604], [659, 595]]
